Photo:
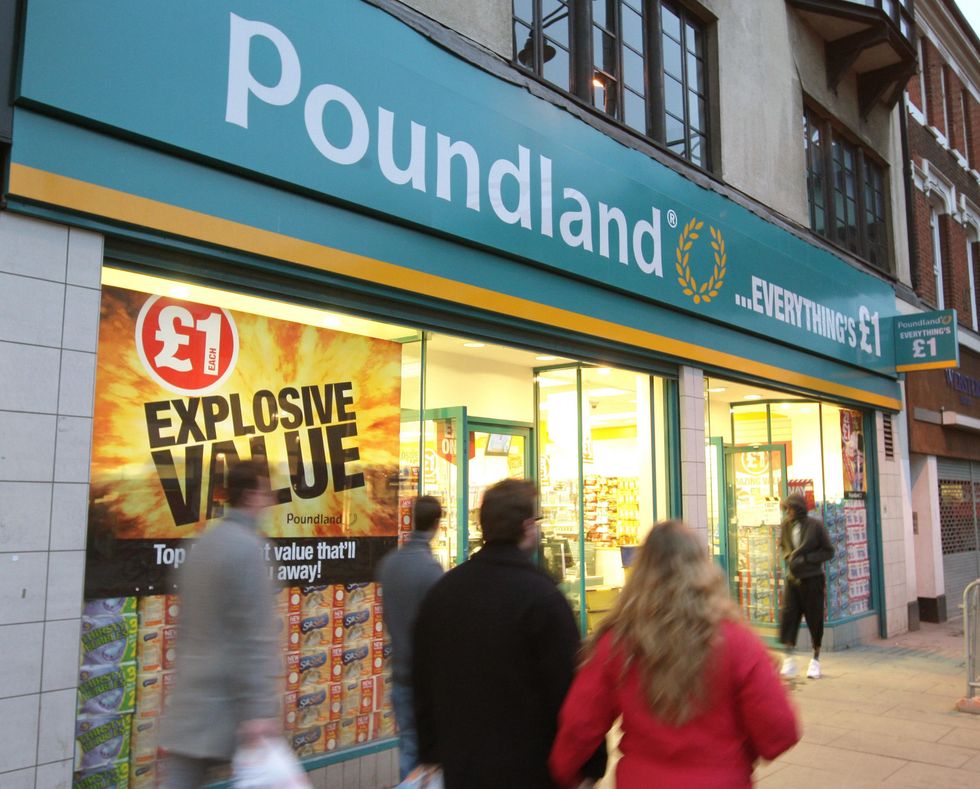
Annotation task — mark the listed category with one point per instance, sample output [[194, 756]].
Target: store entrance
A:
[[755, 482], [462, 456]]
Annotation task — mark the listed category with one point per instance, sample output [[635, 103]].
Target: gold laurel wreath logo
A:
[[706, 291]]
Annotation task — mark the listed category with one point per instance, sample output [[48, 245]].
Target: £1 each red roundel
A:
[[188, 348]]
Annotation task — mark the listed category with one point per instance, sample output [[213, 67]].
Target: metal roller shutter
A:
[[959, 518]]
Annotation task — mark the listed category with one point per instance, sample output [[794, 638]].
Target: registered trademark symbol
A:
[[672, 218]]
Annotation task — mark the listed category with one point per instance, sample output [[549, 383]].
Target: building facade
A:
[[400, 248], [943, 120]]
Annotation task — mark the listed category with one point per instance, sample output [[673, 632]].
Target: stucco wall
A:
[[487, 21]]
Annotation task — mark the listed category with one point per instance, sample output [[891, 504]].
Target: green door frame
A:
[[729, 452], [717, 446], [478, 424]]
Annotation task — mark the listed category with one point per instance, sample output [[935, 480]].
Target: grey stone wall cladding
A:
[[49, 317]]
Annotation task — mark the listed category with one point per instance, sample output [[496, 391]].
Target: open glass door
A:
[[444, 477], [497, 450], [755, 480]]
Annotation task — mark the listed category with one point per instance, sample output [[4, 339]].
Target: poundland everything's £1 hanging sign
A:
[[926, 341], [184, 390]]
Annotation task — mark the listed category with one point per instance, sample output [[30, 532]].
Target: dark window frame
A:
[[591, 73], [826, 180]]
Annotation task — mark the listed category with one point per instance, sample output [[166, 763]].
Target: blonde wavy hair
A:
[[666, 620]]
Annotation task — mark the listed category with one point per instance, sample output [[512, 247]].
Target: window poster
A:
[[858, 557], [184, 389], [852, 449]]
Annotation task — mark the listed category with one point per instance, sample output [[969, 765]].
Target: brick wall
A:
[[914, 89], [956, 282], [954, 111], [934, 92], [922, 262], [973, 130]]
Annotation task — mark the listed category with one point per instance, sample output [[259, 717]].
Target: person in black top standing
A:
[[805, 546], [406, 575], [495, 652]]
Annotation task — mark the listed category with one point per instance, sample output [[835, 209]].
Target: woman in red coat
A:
[[698, 693]]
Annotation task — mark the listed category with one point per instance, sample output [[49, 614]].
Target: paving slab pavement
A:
[[882, 715]]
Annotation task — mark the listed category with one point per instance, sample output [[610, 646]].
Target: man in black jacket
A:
[[494, 654], [805, 546]]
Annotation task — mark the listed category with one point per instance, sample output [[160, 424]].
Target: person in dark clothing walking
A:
[[805, 546], [495, 652], [406, 576]]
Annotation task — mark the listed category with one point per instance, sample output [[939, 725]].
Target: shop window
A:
[[972, 264], [602, 471], [761, 445], [937, 259], [642, 63], [189, 379], [846, 191], [354, 418]]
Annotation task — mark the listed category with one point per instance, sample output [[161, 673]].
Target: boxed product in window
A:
[[144, 741], [314, 667], [111, 776], [108, 640], [157, 610], [331, 736], [356, 661], [145, 776], [101, 741], [358, 594], [312, 707], [308, 741], [382, 724], [289, 600], [290, 670], [289, 713], [107, 690], [315, 631], [109, 606]]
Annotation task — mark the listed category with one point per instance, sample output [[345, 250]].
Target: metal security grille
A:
[[957, 515], [959, 520]]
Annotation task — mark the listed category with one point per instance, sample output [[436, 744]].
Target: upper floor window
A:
[[845, 190], [641, 62]]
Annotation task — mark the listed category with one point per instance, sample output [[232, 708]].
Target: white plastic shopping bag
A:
[[422, 777], [270, 764]]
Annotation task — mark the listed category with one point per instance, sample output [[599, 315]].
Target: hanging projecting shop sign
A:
[[344, 101]]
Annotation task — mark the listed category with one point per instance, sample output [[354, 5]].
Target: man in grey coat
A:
[[406, 576], [226, 690]]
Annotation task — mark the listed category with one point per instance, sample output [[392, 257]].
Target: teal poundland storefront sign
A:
[[340, 103]]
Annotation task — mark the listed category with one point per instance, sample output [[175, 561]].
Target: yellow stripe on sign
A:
[[85, 197], [909, 368]]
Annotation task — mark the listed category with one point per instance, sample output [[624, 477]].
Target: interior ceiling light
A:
[[603, 370], [606, 391], [180, 291], [752, 397], [546, 358], [715, 389], [474, 345]]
